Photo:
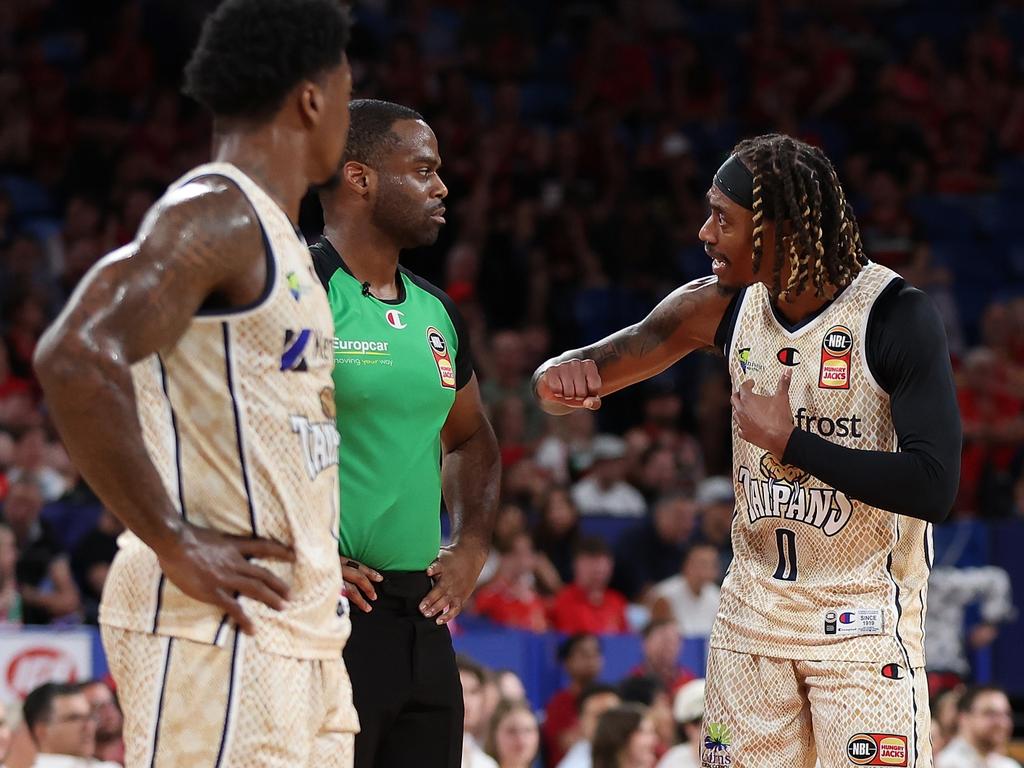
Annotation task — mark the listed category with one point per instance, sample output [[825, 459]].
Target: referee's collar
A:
[[328, 247]]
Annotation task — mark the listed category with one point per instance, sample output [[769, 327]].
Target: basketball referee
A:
[[411, 422]]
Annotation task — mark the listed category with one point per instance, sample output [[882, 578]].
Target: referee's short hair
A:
[[369, 131]]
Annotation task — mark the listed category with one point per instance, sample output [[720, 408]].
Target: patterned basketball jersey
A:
[[238, 416], [817, 574]]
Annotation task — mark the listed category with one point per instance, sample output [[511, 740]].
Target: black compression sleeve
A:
[[907, 353]]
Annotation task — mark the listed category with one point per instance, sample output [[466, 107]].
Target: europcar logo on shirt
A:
[[443, 360], [877, 749]]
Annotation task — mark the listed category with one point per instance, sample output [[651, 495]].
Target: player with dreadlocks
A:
[[846, 448]]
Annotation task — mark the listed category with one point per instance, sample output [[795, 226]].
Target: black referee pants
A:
[[405, 684]]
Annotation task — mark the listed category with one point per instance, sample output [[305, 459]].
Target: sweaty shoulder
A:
[[210, 228], [209, 212], [904, 333]]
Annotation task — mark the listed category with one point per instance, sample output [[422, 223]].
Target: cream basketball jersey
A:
[[817, 574], [238, 416]]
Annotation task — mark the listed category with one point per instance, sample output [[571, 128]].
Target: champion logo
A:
[[893, 671], [846, 618], [789, 356], [394, 318]]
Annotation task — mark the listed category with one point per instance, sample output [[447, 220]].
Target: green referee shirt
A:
[[397, 367]]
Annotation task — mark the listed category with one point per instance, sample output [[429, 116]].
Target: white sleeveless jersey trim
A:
[[253, 194]]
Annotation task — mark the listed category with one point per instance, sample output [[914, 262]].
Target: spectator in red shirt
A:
[[510, 598], [662, 643], [580, 656], [588, 605]]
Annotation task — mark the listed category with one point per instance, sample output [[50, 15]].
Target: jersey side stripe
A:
[[229, 710], [155, 740], [180, 482], [229, 367]]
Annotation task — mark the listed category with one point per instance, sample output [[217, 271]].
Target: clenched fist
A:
[[573, 384]]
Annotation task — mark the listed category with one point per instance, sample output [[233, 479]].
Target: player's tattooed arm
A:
[[199, 244], [684, 321]]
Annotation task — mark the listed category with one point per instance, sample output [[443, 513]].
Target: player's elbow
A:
[[64, 357], [934, 502], [53, 359]]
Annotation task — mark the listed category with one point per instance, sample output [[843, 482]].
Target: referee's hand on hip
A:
[[359, 580]]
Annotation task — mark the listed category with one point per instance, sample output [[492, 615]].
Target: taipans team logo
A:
[[780, 491], [836, 351], [788, 356], [443, 360], [774, 469], [877, 749], [394, 318]]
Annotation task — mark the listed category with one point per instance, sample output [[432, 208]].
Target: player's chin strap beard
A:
[[736, 182]]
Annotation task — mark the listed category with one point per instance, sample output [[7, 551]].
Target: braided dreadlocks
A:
[[795, 183]]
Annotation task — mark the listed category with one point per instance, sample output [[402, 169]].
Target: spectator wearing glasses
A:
[[63, 726]]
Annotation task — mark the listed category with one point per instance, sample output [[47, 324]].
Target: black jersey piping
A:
[[727, 325], [181, 486], [268, 255], [228, 710], [238, 427], [160, 702]]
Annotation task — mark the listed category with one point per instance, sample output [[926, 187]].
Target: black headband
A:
[[736, 182]]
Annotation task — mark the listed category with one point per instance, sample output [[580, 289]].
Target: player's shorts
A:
[[768, 713], [191, 704]]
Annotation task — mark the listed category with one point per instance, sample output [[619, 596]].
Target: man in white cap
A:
[[687, 711]]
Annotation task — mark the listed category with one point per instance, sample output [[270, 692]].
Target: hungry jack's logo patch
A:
[[836, 351], [442, 358]]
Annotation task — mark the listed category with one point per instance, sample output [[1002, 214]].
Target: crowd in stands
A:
[[578, 141]]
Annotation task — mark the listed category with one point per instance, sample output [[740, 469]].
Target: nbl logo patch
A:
[[836, 352], [877, 749], [443, 360]]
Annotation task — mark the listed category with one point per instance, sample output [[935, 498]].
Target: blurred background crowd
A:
[[578, 140]]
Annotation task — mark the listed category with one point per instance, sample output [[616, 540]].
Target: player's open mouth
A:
[[718, 265]]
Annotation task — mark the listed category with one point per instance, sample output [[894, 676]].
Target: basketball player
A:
[[406, 394], [846, 446], [190, 377]]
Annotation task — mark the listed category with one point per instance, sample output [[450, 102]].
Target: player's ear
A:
[[311, 102], [358, 177]]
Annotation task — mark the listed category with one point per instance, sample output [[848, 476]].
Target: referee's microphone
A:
[[366, 288]]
